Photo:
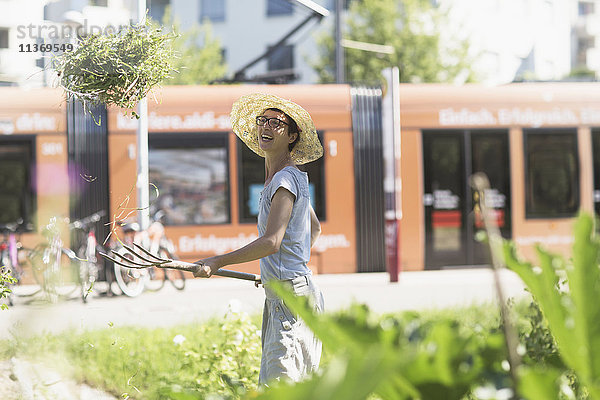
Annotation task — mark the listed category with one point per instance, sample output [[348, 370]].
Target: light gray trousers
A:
[[289, 349]]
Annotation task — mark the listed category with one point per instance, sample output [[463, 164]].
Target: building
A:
[[18, 61], [511, 40], [585, 43], [514, 40], [247, 29], [31, 31]]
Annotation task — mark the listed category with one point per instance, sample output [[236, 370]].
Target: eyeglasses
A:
[[274, 123]]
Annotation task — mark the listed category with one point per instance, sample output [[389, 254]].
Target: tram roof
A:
[[193, 108], [527, 105], [30, 100], [27, 111], [543, 92]]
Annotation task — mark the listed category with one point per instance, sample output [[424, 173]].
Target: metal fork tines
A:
[[142, 258]]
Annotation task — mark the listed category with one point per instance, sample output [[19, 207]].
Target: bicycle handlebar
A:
[[84, 222], [14, 227]]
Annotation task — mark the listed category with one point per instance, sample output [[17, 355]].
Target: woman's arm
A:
[[315, 227], [269, 243]]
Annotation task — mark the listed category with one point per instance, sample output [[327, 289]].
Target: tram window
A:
[[192, 177], [251, 177], [552, 173], [17, 198], [316, 183]]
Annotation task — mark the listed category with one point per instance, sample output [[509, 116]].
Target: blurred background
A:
[[458, 41]]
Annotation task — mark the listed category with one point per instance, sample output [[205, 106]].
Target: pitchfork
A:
[[144, 259]]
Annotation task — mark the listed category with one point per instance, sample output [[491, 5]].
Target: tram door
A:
[[449, 160]]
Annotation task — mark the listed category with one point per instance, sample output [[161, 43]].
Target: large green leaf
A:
[[539, 384], [344, 379], [584, 293], [392, 360], [361, 363], [573, 311]]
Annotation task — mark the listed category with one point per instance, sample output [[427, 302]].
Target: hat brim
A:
[[243, 122]]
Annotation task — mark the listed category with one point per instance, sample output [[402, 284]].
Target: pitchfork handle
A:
[[238, 275]]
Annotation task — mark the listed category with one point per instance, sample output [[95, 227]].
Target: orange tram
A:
[[538, 143]]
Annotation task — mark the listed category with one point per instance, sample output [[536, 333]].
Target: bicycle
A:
[[87, 253], [55, 267], [164, 247], [132, 282], [13, 257]]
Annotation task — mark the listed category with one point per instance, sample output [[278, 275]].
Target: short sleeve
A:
[[284, 179]]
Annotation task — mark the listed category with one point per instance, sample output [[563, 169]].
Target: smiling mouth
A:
[[266, 138]]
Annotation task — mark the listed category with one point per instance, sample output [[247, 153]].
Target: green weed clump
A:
[[220, 357], [117, 68]]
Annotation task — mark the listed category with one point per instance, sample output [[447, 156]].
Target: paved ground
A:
[[203, 298]]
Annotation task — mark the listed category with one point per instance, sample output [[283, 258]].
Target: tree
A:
[[413, 28], [200, 60]]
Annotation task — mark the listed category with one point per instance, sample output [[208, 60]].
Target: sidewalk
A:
[[204, 298]]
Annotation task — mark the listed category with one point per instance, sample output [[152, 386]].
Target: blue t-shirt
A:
[[293, 255]]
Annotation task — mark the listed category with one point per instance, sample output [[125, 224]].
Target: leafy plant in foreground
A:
[[392, 358], [567, 295], [6, 279]]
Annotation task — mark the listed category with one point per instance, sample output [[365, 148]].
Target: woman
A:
[[284, 134]]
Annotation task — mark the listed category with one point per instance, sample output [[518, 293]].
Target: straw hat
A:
[[243, 121]]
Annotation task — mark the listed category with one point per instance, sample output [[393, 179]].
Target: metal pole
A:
[[392, 178], [339, 50], [143, 192]]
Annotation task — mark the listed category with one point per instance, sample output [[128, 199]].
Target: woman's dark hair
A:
[[293, 127]]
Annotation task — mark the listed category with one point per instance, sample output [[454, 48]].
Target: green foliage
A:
[[220, 358], [583, 73], [567, 296], [541, 354], [539, 384], [116, 68], [6, 280], [445, 353], [448, 354], [394, 358], [539, 343], [412, 27], [199, 60]]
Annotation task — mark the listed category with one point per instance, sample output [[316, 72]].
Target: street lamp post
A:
[[339, 50], [143, 192]]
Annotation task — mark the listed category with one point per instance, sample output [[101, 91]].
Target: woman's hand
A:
[[207, 267]]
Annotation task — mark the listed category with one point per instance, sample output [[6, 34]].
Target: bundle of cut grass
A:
[[118, 68]]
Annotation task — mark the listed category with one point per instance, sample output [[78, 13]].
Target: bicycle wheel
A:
[[36, 260], [88, 271], [131, 281], [156, 279], [175, 276], [62, 275], [25, 268]]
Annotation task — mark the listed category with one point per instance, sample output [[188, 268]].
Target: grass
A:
[[221, 356], [149, 363]]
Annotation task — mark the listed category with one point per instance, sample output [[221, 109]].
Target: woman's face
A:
[[274, 139]]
